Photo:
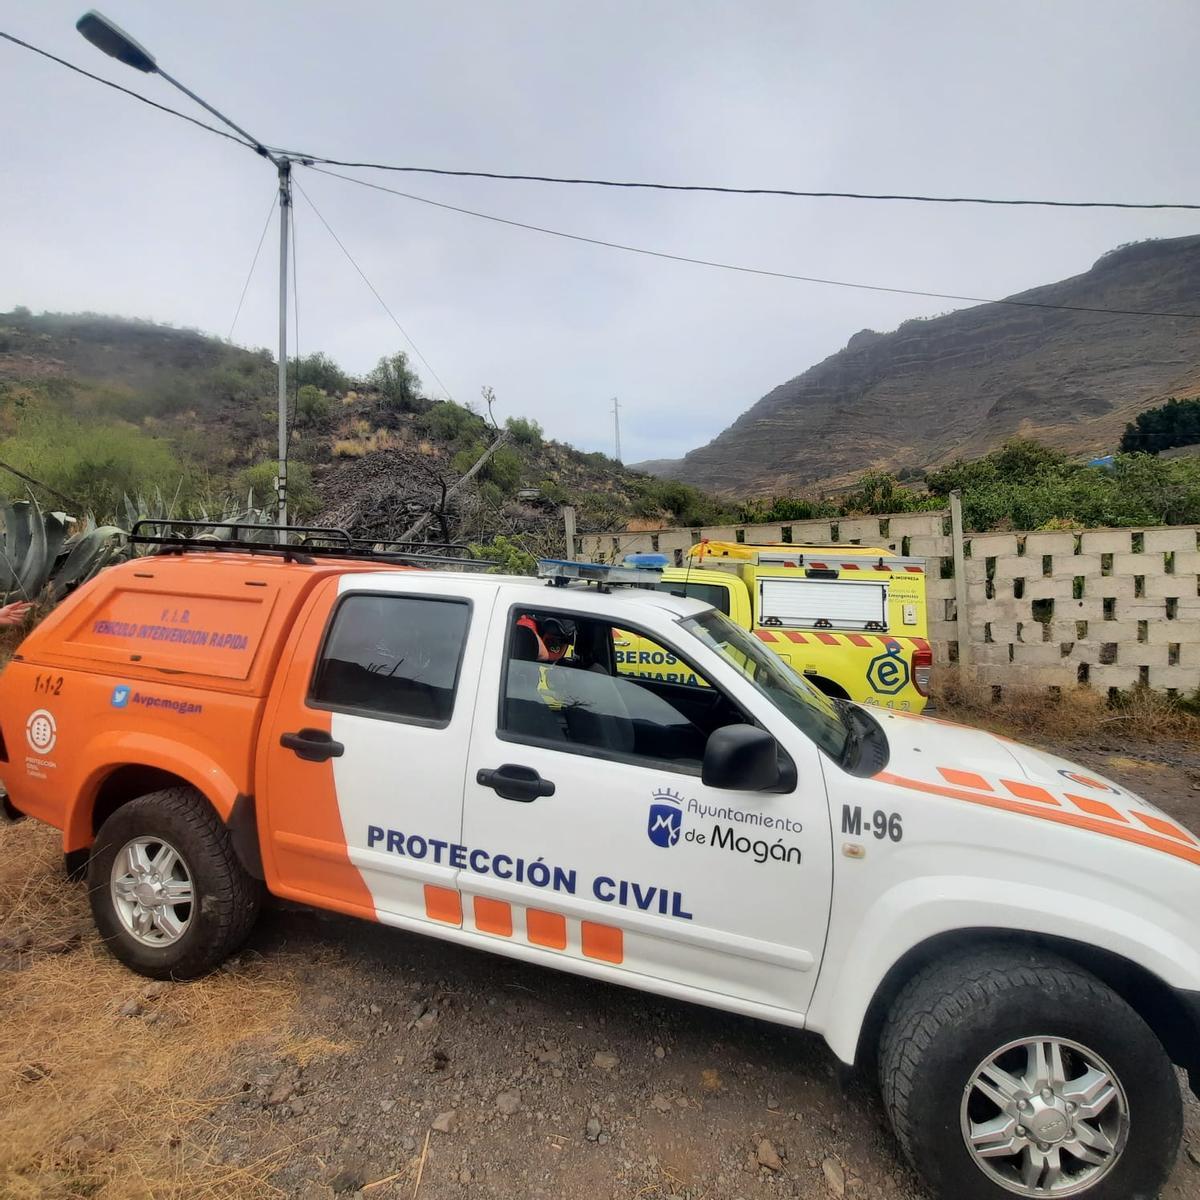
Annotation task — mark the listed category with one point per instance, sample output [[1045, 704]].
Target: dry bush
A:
[[365, 441], [1067, 715], [96, 1104]]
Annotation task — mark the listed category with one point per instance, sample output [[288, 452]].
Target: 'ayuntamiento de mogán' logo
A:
[[665, 819]]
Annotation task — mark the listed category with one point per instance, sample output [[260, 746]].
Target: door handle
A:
[[512, 782], [312, 745]]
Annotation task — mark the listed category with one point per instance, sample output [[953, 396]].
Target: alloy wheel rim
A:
[[1044, 1117], [152, 891]]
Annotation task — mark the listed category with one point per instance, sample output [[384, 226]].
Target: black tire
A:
[[956, 1013], [227, 898]]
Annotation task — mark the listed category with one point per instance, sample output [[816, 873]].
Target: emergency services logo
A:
[[666, 818], [888, 673], [41, 732]]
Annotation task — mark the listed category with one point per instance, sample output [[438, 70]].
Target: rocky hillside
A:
[[959, 385], [100, 408]]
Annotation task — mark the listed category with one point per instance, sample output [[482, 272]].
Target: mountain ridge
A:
[[958, 385]]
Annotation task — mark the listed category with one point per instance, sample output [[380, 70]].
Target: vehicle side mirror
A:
[[742, 758]]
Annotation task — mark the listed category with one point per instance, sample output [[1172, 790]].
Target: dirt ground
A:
[[340, 1058]]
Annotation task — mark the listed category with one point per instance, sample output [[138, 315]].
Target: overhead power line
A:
[[719, 189], [744, 270], [62, 62], [374, 291], [253, 263], [645, 185]]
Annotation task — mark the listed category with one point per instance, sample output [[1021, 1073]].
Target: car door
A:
[[592, 836], [366, 745]]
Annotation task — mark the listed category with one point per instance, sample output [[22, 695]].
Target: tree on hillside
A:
[[1018, 460], [399, 383], [321, 371], [1176, 423]]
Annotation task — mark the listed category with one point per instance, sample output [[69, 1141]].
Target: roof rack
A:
[[178, 536]]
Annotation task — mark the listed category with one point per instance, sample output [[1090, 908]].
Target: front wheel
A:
[[1009, 1074], [168, 894]]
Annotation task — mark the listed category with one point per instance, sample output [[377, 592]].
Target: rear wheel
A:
[[168, 893], [1013, 1075]]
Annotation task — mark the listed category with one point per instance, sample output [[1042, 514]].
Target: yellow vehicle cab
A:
[[850, 618]]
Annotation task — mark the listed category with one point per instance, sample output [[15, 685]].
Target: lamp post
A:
[[115, 42]]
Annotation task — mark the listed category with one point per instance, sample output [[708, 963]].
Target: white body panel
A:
[[845, 604], [691, 912], [972, 833]]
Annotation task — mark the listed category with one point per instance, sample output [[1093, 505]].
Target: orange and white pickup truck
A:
[[1011, 940]]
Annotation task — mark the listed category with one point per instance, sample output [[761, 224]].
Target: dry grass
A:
[[364, 441], [1072, 714], [101, 1105]]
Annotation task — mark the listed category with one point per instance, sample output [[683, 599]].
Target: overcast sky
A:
[[108, 205]]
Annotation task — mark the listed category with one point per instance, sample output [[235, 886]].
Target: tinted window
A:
[[394, 655], [591, 700]]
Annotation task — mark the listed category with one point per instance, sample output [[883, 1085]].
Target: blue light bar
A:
[[562, 571]]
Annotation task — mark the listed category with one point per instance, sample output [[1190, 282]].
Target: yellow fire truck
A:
[[850, 618]]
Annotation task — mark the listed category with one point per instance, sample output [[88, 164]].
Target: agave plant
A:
[[41, 558], [219, 520]]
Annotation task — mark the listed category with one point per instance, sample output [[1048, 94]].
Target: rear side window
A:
[[393, 656]]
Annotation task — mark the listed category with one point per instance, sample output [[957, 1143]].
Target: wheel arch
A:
[[1153, 1000], [151, 767]]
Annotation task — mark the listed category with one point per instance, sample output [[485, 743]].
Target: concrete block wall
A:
[[1105, 608]]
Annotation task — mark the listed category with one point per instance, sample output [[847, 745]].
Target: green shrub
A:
[[447, 421], [511, 558], [303, 501], [93, 463], [320, 370], [312, 405], [524, 431]]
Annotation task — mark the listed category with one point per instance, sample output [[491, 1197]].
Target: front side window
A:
[[393, 656], [586, 686]]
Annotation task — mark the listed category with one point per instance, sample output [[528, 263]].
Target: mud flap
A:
[[243, 832]]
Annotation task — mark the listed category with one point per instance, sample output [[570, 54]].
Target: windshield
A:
[[809, 710]]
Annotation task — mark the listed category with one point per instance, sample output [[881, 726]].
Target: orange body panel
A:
[[300, 830], [165, 662]]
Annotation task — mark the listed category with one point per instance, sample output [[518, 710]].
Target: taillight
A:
[[922, 669]]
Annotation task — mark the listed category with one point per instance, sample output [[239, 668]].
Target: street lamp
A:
[[115, 42]]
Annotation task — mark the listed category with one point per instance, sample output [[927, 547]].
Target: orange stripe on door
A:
[[795, 637], [764, 636], [857, 639], [1059, 816], [546, 929], [493, 916], [827, 638], [602, 941], [443, 904]]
